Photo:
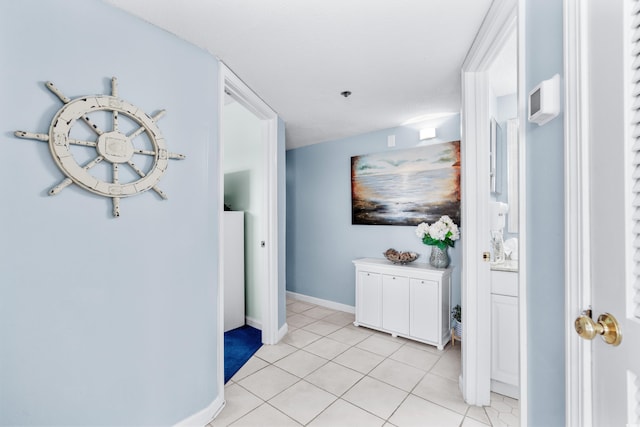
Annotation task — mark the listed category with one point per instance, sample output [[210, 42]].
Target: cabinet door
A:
[[424, 310], [395, 304], [504, 339], [369, 301]]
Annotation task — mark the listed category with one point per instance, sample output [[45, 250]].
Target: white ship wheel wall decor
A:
[[114, 146]]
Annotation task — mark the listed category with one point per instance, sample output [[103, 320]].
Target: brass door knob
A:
[[606, 326]]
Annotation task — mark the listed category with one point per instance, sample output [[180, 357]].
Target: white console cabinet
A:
[[412, 301]]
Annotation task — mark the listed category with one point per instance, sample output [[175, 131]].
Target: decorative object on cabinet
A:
[[115, 146], [441, 235], [439, 258], [406, 187], [412, 301], [400, 257]]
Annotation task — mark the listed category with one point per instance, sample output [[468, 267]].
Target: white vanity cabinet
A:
[[505, 360], [412, 301]]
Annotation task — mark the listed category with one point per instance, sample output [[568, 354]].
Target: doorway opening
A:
[[258, 177], [492, 134], [243, 171]]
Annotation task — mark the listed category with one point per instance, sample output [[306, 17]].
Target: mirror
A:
[[493, 157], [512, 175]]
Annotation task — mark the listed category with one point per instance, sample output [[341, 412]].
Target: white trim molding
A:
[[476, 302], [498, 25], [229, 83], [282, 331], [220, 176], [577, 218], [522, 219], [253, 322], [205, 416], [237, 89], [322, 302]]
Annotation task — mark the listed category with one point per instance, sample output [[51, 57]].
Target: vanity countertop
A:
[[507, 265]]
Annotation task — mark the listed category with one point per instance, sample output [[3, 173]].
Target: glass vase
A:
[[439, 257]]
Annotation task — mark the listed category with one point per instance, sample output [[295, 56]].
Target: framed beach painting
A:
[[406, 187]]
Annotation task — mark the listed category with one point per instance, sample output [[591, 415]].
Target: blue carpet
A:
[[239, 345]]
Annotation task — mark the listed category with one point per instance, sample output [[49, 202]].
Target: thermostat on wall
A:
[[544, 101]]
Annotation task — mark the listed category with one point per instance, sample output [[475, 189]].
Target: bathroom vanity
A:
[[505, 360], [411, 301]]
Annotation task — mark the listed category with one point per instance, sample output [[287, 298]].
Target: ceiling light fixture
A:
[[427, 133]]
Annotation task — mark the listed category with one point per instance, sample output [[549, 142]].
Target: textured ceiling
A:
[[400, 59]]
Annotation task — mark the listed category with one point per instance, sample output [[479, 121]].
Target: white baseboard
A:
[[205, 416], [505, 389], [258, 325], [282, 332], [322, 302], [254, 323]]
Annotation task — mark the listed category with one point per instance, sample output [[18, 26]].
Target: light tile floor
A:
[[327, 372]]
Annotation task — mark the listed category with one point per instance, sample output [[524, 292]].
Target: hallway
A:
[[327, 372]]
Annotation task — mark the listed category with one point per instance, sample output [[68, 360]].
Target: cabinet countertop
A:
[[507, 265], [418, 266]]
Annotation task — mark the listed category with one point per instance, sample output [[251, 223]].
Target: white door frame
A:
[[500, 22], [230, 83], [578, 381]]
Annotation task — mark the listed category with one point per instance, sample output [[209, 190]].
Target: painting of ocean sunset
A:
[[406, 187]]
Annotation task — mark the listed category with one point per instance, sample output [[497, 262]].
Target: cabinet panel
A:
[[504, 283], [395, 304], [504, 339], [369, 299], [424, 309], [411, 300]]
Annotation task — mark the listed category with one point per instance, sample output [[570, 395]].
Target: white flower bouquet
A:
[[441, 233]]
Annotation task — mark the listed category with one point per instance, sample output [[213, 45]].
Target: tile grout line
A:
[[354, 344]]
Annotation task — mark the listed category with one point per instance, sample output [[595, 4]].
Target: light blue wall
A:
[[103, 320], [321, 241], [545, 229]]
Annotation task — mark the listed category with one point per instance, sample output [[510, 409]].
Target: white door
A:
[[424, 323], [369, 303], [614, 226], [395, 309]]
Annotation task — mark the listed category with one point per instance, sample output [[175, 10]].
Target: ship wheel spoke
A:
[[31, 135], [116, 180], [74, 141], [94, 127], [114, 93], [67, 181], [142, 175], [145, 152], [141, 129]]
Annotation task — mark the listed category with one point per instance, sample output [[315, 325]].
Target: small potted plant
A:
[[456, 314]]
